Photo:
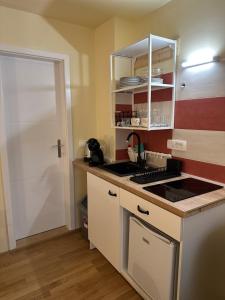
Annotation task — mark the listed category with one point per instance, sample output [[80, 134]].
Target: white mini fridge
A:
[[151, 261]]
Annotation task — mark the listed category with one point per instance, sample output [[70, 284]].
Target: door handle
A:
[[141, 210], [112, 194], [59, 147]]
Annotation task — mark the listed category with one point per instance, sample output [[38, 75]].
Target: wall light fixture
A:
[[200, 57]]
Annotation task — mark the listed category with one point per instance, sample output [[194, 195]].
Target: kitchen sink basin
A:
[[123, 168]]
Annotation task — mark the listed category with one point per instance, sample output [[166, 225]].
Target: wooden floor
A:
[[61, 268]]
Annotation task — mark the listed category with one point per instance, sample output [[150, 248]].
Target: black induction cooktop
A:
[[178, 190]]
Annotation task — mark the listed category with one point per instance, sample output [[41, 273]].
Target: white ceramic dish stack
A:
[[130, 81]]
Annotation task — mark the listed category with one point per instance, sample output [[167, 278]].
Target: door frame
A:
[[62, 64]]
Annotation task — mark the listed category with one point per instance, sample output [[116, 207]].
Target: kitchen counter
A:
[[184, 208]]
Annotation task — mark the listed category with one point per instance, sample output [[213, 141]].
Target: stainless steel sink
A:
[[123, 168]]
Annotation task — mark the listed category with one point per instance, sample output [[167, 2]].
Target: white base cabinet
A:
[[199, 273], [104, 218]]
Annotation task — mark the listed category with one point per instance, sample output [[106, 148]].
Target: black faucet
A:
[[140, 161]]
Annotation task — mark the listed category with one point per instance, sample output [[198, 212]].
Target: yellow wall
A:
[[194, 23], [197, 24], [109, 36], [104, 45], [27, 30], [125, 32]]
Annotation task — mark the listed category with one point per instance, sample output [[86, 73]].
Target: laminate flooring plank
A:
[[61, 268]]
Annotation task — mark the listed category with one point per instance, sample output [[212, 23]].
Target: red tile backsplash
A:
[[155, 140], [121, 154], [201, 114], [202, 169], [158, 95]]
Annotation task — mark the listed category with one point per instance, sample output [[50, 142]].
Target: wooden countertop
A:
[[182, 208]]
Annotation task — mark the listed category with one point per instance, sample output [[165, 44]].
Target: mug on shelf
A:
[[144, 122], [135, 121]]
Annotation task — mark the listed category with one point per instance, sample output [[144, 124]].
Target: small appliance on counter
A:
[[87, 152], [96, 156]]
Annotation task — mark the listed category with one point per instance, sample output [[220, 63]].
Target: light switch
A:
[[179, 145]]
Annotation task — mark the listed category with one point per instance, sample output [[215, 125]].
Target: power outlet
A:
[[179, 145]]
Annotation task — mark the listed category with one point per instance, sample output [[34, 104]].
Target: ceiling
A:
[[89, 13]]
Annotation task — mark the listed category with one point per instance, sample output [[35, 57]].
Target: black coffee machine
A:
[[96, 155]]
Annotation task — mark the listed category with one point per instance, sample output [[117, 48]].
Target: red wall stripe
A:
[[140, 97], [200, 114], [121, 154], [155, 140], [157, 95], [123, 107], [162, 95], [167, 78], [202, 169]]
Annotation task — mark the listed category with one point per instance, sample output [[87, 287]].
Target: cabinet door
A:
[[104, 218]]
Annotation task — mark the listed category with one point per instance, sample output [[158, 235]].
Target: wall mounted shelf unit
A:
[[143, 85]]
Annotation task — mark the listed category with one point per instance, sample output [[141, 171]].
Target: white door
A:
[[32, 126]]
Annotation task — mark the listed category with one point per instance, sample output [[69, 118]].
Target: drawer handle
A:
[[112, 194], [141, 210]]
